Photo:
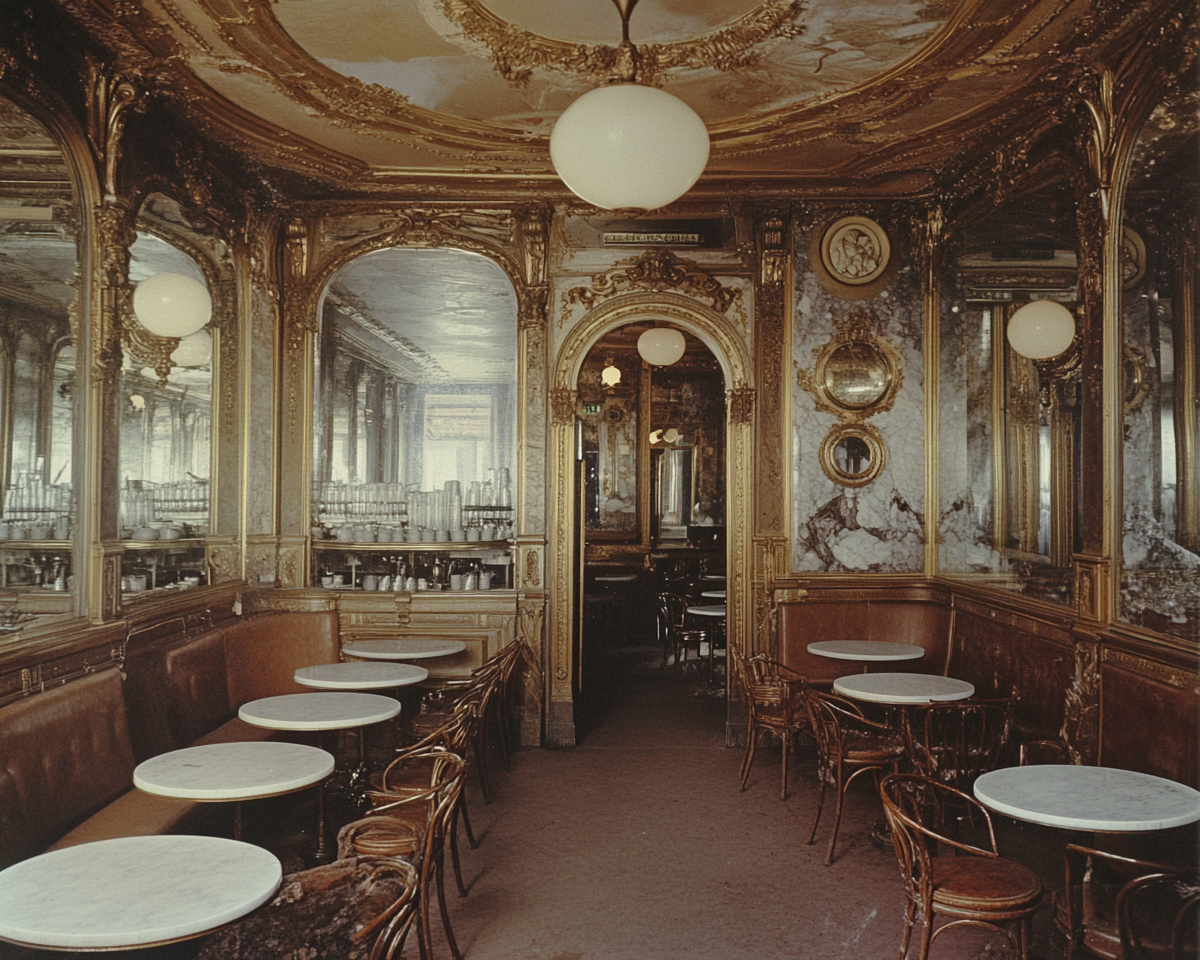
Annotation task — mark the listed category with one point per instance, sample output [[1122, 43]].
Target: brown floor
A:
[[638, 844]]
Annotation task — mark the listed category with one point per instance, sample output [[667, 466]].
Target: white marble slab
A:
[[902, 687], [319, 711], [133, 891], [866, 650], [712, 576], [360, 675], [617, 578], [402, 649], [1103, 799], [708, 610], [713, 594], [233, 771]]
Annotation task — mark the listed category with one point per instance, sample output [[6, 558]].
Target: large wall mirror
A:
[[38, 258], [415, 421], [166, 439], [1009, 439], [1161, 542]]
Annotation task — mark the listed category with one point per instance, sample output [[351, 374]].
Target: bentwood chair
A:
[[848, 745], [678, 637], [1086, 909], [775, 707], [954, 742], [1158, 916], [978, 889]]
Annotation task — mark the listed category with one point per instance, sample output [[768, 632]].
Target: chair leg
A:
[[441, 889], [910, 914], [466, 819], [785, 742], [485, 783], [748, 758], [837, 815], [822, 776], [462, 890]]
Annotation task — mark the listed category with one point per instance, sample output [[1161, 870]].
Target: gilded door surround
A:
[[730, 348]]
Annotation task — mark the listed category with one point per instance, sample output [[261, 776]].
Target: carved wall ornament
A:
[[855, 250], [853, 454], [533, 569], [112, 96], [1138, 380], [741, 404], [563, 400], [658, 270]]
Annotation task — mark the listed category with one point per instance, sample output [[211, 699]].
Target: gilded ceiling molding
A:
[[111, 95], [516, 53], [657, 270]]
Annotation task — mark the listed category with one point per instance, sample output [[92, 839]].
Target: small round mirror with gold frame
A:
[[852, 454], [856, 374]]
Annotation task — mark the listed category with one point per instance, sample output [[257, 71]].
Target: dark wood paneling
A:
[[1149, 726]]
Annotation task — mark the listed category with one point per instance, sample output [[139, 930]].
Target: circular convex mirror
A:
[[852, 454], [856, 374]]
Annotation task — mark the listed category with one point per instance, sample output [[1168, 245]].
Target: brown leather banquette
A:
[[67, 754]]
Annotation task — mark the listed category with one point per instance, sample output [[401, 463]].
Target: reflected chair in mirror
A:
[[423, 820], [1043, 751], [1085, 911], [848, 746], [1158, 917], [775, 707], [679, 638], [968, 885], [954, 742]]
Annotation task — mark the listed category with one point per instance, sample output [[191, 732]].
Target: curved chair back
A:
[[955, 742], [1158, 916]]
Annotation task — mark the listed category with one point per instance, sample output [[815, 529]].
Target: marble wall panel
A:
[[880, 527]]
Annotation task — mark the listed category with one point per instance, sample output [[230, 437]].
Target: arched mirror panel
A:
[[38, 275], [414, 446], [1161, 543], [171, 348], [1008, 444]]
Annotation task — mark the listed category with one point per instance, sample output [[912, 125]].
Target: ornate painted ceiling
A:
[[875, 96]]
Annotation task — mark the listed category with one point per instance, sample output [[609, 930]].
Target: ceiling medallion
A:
[[516, 52], [855, 250]]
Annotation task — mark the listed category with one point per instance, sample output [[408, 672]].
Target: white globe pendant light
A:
[[194, 350], [172, 305], [661, 346], [627, 146], [1041, 329]]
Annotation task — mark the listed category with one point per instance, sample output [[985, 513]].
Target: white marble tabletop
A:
[[866, 650], [708, 610], [712, 576], [332, 710], [133, 891], [902, 687], [713, 594], [233, 771], [360, 675], [616, 578], [1103, 799], [402, 649]]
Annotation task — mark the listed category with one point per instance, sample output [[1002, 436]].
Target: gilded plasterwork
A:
[[855, 250]]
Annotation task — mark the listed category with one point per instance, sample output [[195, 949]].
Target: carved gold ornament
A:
[[855, 250], [856, 374], [1133, 258], [852, 454]]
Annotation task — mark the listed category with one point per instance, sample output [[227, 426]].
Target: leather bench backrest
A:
[[917, 622], [64, 754], [263, 653], [197, 692]]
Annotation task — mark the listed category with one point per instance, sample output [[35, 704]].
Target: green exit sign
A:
[[591, 408]]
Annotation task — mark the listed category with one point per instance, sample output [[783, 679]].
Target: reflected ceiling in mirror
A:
[[430, 316]]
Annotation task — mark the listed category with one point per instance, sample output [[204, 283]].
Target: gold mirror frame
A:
[[846, 435], [856, 374]]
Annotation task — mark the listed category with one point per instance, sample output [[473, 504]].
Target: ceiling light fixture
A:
[[627, 146], [172, 305], [194, 350], [661, 346], [1041, 329], [610, 376]]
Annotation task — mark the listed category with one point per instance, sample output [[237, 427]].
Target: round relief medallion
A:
[[855, 250]]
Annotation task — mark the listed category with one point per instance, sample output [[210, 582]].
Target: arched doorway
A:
[[729, 348]]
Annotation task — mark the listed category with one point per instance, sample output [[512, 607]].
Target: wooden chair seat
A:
[[976, 884], [860, 747]]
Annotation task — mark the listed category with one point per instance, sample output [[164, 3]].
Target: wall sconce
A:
[[1041, 329], [661, 346], [172, 305], [610, 376]]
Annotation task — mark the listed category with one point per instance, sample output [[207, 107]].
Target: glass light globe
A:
[[610, 376], [194, 350], [1041, 329], [661, 346], [629, 146], [171, 305]]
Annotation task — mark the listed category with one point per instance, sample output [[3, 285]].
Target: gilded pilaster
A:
[[929, 252], [560, 710]]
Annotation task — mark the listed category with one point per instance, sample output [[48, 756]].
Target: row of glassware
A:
[[406, 533]]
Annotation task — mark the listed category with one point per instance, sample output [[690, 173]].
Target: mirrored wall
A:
[[38, 275], [1008, 446]]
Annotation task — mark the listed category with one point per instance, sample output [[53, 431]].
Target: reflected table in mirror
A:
[[133, 892], [360, 675], [902, 688], [402, 649], [708, 610], [713, 594], [1099, 799]]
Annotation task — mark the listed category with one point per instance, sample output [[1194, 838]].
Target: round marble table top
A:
[[133, 891], [233, 771], [866, 650], [708, 610], [712, 576], [402, 649], [1103, 799], [902, 687], [713, 594], [319, 711], [360, 675], [617, 578]]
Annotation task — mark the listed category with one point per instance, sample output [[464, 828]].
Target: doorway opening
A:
[[651, 500]]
